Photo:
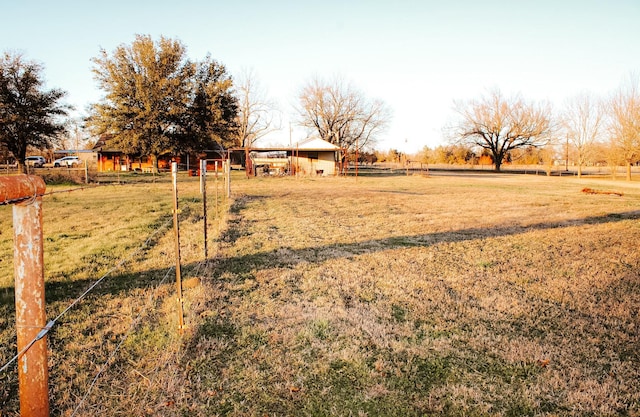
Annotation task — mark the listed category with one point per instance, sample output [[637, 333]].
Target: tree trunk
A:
[[628, 171], [497, 159], [579, 170], [154, 164], [498, 163], [248, 168]]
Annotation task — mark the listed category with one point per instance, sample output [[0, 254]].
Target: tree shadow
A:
[[288, 257], [245, 265]]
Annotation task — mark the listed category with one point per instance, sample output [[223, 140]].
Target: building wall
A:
[[324, 164], [115, 161]]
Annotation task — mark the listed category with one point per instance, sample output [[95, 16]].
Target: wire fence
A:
[[113, 354], [152, 289], [53, 322]]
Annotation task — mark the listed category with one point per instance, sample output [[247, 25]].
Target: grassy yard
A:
[[469, 295], [87, 233]]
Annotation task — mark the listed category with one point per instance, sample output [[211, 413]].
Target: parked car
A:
[[35, 161], [67, 161]]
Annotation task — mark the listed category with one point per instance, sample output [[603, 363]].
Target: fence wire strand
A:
[[134, 324], [43, 332]]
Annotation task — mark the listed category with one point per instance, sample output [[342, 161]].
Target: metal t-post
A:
[[176, 226], [203, 191], [228, 174]]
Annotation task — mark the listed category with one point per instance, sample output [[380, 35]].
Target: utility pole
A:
[[566, 161]]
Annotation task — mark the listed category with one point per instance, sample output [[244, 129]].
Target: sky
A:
[[419, 57]]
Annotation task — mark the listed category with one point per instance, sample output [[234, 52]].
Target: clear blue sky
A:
[[417, 56]]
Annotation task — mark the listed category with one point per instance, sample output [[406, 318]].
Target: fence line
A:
[[43, 331], [132, 327]]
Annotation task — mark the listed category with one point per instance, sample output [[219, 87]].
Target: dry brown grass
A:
[[467, 296], [86, 233], [494, 295]]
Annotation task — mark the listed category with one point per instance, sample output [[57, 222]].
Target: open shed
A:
[[312, 157]]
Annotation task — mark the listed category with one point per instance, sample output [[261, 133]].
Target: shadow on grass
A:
[[287, 257], [242, 266], [124, 283]]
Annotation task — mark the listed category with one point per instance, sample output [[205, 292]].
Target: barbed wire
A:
[[186, 209], [43, 332], [17, 200]]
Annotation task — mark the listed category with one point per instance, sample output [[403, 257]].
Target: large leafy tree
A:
[[500, 124], [213, 108], [158, 101], [30, 115], [341, 114], [147, 88]]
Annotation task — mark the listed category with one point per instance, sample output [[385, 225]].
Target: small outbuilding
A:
[[316, 157], [311, 157]]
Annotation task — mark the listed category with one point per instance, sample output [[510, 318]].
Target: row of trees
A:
[[157, 100], [500, 125]]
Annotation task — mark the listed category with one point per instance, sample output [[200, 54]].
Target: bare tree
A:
[[583, 120], [499, 124], [257, 115], [624, 126], [341, 114]]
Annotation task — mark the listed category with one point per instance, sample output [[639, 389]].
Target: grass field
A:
[[468, 295]]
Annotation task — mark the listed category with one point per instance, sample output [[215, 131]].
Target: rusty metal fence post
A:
[[25, 192]]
